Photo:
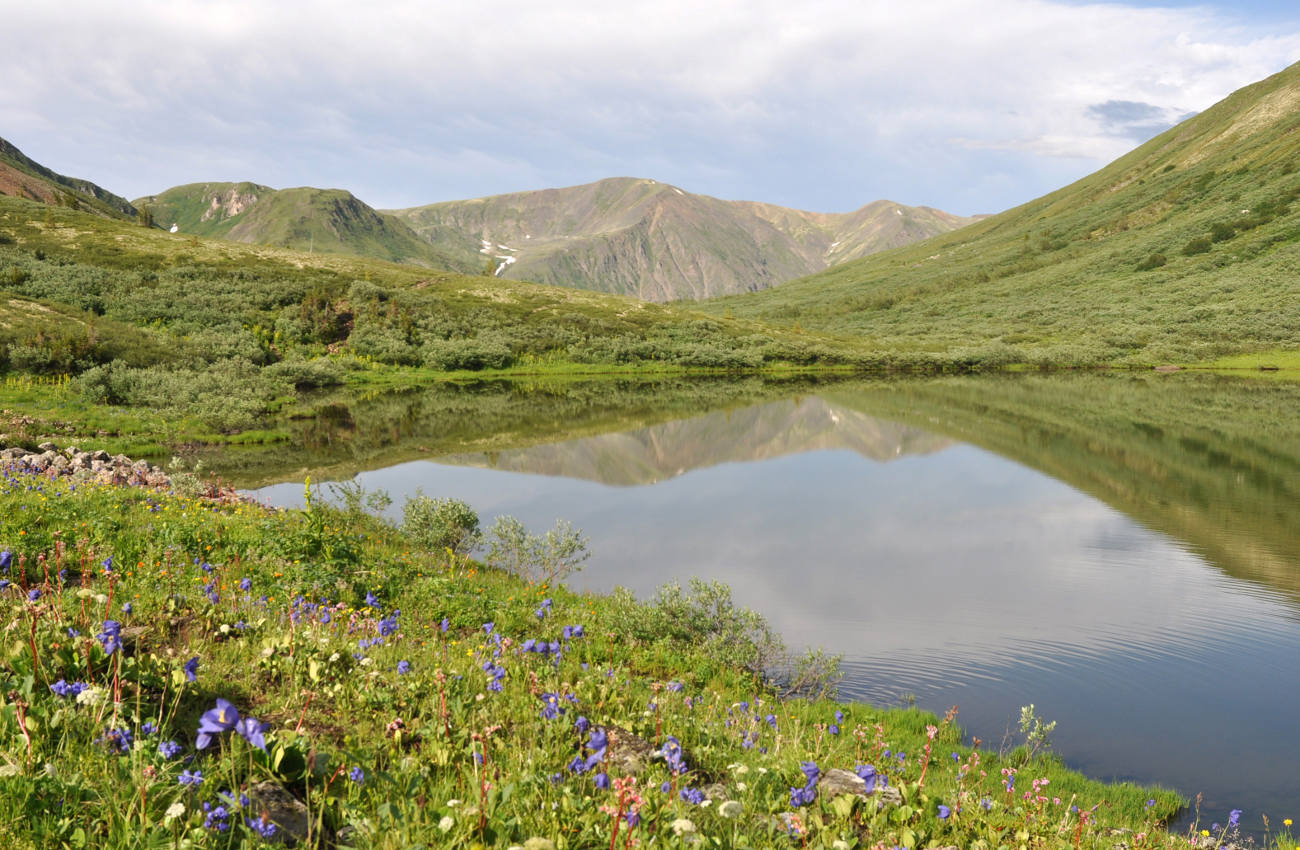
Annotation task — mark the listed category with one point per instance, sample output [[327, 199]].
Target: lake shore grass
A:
[[404, 698]]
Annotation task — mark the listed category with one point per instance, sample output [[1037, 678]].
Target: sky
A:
[[823, 105]]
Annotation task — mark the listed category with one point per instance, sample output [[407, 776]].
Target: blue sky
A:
[[823, 105]]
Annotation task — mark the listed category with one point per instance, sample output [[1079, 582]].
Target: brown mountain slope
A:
[[23, 177], [659, 243]]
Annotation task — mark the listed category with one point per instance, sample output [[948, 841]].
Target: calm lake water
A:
[[1122, 553]]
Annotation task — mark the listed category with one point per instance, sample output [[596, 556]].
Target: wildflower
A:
[[6, 560], [944, 812], [215, 721], [245, 584], [633, 819], [253, 731], [261, 825], [120, 739], [543, 608], [33, 594], [357, 775], [169, 750], [371, 599], [986, 803], [771, 720], [868, 775], [65, 689], [802, 796], [582, 724], [833, 729], [489, 627], [1286, 822], [148, 728], [839, 716], [218, 818], [694, 796], [174, 811], [192, 669], [1234, 818], [551, 708], [193, 779], [602, 781], [731, 809], [403, 667], [672, 754], [682, 826], [127, 608], [810, 770], [444, 625], [446, 823], [111, 636]]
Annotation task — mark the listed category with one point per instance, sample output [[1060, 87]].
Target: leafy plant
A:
[[539, 559], [438, 524]]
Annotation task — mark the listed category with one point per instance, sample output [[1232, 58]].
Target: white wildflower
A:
[[446, 823], [682, 826], [731, 809], [174, 811], [539, 843]]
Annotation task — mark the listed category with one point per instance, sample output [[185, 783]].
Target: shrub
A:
[[1154, 261], [437, 524], [541, 559], [1199, 245], [450, 354], [1222, 232]]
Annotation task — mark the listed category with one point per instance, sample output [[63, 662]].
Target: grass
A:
[[447, 731]]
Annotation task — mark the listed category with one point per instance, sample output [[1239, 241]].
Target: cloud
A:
[[825, 104]]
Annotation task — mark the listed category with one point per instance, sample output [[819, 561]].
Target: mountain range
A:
[[656, 242]]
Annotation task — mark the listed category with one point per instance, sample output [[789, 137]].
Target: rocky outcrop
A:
[[100, 467]]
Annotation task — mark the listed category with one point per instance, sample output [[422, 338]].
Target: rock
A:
[[48, 447], [283, 809], [836, 781], [100, 455], [628, 753]]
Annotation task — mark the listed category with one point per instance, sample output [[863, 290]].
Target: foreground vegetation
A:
[[183, 673]]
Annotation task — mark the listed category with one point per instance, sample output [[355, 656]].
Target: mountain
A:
[[659, 452], [657, 242], [329, 221], [22, 177], [1185, 249]]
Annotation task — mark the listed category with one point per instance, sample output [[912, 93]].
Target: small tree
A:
[[145, 216]]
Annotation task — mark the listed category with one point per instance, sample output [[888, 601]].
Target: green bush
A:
[[1221, 231], [1199, 245], [540, 559], [438, 524], [1154, 261], [450, 354]]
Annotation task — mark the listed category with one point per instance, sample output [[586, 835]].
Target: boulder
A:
[[286, 811]]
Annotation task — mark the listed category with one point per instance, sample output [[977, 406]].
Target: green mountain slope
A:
[[23, 177], [330, 221], [1183, 249], [658, 243]]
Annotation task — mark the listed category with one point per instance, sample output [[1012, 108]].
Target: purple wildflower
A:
[[216, 721], [192, 669]]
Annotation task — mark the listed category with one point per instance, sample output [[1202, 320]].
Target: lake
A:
[[1119, 550]]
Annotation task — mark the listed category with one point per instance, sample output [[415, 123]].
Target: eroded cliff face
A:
[[229, 203]]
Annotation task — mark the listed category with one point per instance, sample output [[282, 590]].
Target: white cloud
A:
[[825, 104]]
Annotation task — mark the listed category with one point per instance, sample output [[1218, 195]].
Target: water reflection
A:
[[949, 572]]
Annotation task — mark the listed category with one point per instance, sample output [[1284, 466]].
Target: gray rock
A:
[[48, 447], [283, 809], [836, 781], [628, 753]]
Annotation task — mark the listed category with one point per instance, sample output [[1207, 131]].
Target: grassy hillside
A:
[[23, 177], [656, 242], [329, 221], [1185, 249]]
